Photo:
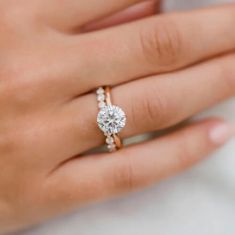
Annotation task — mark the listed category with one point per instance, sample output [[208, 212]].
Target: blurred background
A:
[[199, 201]]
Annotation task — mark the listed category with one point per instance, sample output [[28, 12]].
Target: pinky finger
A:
[[101, 176], [150, 162]]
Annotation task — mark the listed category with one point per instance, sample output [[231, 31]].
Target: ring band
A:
[[111, 119]]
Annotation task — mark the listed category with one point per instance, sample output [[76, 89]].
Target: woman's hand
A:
[[49, 67]]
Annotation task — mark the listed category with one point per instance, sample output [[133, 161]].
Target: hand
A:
[[49, 69]]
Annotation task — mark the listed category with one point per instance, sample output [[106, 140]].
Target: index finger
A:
[[75, 13]]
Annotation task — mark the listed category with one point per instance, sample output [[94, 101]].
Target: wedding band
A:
[[111, 119]]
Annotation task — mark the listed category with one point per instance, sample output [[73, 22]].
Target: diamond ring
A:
[[111, 119]]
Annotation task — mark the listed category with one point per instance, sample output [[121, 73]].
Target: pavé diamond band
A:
[[111, 119]]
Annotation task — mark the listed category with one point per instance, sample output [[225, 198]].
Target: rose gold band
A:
[[111, 119], [108, 101]]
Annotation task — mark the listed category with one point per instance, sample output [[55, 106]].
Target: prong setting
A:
[[111, 119]]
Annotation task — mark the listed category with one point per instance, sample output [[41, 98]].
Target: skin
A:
[[163, 69]]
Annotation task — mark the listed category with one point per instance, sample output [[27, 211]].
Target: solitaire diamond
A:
[[111, 119]]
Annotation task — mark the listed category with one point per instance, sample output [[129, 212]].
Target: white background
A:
[[200, 201]]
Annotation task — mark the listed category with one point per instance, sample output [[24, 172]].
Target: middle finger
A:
[[158, 44]]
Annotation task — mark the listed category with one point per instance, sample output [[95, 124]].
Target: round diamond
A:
[[111, 119]]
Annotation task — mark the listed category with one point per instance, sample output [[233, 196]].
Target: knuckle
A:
[[227, 75], [162, 43], [185, 155], [18, 88], [8, 144], [20, 96], [10, 16], [155, 107], [124, 175]]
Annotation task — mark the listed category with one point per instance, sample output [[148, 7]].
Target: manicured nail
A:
[[222, 133]]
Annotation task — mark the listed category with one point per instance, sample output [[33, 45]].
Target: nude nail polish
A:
[[222, 133]]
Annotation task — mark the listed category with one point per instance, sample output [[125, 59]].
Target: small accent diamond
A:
[[109, 140], [100, 91], [101, 97], [111, 147]]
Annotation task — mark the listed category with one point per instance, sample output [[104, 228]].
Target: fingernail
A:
[[222, 133]]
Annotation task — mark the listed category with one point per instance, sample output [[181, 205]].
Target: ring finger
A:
[[154, 103]]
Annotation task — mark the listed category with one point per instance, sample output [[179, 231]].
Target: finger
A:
[[156, 102], [138, 11], [97, 177], [159, 44], [69, 14]]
